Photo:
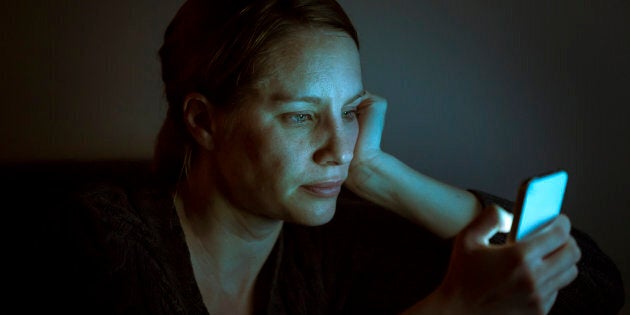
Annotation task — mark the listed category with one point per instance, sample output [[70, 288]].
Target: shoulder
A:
[[107, 206], [133, 247], [127, 225], [118, 213]]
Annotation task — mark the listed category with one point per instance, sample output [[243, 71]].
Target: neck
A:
[[228, 247]]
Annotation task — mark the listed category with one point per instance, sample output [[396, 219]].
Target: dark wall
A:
[[81, 79], [482, 94]]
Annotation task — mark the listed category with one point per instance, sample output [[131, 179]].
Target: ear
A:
[[198, 113]]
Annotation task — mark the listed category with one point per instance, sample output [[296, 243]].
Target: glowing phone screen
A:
[[541, 202]]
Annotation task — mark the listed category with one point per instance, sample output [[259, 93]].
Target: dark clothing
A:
[[365, 261], [116, 249]]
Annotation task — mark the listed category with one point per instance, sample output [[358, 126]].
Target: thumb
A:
[[483, 227]]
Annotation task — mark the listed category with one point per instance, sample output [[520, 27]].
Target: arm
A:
[[446, 210], [388, 182], [383, 179]]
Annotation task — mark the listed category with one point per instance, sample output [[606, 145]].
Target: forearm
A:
[[442, 208]]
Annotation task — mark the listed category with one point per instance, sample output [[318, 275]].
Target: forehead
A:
[[306, 45], [309, 56]]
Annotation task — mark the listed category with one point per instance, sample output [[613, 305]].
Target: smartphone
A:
[[539, 201]]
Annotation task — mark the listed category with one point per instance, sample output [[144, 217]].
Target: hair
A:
[[216, 48]]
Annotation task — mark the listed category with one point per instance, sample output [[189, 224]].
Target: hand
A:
[[367, 151], [520, 278], [371, 114]]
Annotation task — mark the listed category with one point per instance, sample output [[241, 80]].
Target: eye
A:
[[350, 115], [299, 118]]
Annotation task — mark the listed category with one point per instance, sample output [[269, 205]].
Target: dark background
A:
[[482, 94]]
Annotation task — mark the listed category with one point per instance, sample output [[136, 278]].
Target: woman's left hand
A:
[[371, 115], [367, 151]]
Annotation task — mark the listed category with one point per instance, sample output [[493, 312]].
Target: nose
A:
[[337, 146]]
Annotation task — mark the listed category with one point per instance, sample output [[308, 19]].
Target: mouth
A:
[[329, 189]]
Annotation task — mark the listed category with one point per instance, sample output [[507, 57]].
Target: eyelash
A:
[[299, 119], [350, 115]]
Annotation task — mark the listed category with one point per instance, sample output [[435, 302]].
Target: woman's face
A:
[[286, 151]]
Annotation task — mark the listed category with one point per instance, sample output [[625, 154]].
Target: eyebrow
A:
[[283, 98]]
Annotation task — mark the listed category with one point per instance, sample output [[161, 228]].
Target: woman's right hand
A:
[[519, 278]]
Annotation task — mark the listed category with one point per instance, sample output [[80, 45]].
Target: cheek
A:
[[275, 154], [287, 151], [240, 150]]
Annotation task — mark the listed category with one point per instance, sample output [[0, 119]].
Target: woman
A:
[[268, 119]]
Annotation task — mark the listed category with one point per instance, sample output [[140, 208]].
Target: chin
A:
[[316, 213]]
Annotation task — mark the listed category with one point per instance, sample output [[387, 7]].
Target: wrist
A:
[[367, 178]]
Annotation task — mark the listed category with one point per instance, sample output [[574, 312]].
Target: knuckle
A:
[[565, 223], [560, 231]]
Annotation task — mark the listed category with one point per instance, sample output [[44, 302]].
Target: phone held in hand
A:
[[538, 202]]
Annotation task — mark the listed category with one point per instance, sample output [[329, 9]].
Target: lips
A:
[[328, 189]]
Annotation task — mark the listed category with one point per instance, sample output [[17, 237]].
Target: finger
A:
[[558, 264], [371, 121], [482, 228], [551, 290], [549, 302], [505, 219], [548, 239], [565, 278]]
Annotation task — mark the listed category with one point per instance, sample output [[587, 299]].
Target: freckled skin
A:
[[270, 152]]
